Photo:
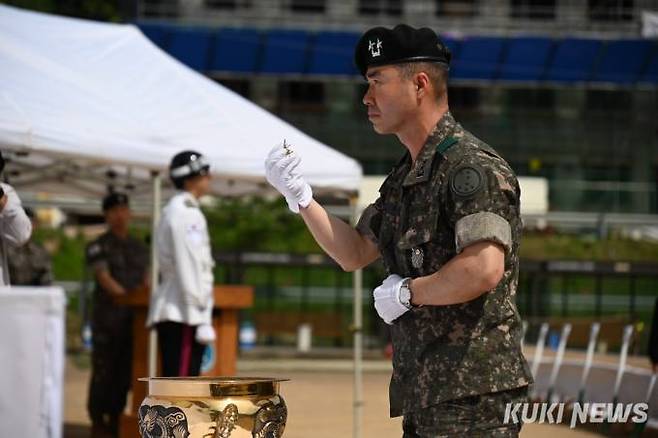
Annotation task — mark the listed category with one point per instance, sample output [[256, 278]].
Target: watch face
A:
[[405, 296]]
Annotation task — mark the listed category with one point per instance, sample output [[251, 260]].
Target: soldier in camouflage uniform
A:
[[447, 227], [30, 264], [120, 264]]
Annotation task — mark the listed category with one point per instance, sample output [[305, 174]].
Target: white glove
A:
[[387, 299], [281, 172], [205, 334]]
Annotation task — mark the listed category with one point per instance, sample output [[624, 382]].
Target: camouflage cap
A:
[[383, 46]]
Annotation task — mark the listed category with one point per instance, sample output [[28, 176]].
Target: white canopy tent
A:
[[79, 99], [79, 94]]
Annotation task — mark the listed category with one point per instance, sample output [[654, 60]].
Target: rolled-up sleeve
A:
[[370, 221], [483, 200], [96, 257], [482, 226]]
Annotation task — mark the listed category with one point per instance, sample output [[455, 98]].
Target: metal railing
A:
[[314, 285]]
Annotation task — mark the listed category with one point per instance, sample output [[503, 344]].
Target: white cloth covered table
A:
[[32, 361]]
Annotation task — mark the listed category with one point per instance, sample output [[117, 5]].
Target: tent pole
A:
[[153, 335], [357, 329]]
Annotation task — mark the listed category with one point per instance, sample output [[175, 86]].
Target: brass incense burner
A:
[[212, 407]]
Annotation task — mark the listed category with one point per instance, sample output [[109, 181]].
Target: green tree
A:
[[257, 224]]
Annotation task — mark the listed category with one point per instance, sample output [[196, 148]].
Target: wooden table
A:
[[229, 299]]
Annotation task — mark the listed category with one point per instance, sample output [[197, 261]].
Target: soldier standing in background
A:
[[30, 264], [119, 264]]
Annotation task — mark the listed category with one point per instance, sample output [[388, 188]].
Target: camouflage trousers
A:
[[474, 417]]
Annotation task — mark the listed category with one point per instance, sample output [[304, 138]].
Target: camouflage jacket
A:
[[127, 261], [458, 192], [30, 265]]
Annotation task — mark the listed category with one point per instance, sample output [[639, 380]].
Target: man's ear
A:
[[421, 81]]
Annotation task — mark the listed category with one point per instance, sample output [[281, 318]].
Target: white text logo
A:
[[553, 413]]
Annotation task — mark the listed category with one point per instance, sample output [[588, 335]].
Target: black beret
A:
[[115, 199], [382, 46]]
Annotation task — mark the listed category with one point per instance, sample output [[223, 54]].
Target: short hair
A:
[[438, 74]]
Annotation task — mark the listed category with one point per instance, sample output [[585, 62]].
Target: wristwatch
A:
[[405, 293]]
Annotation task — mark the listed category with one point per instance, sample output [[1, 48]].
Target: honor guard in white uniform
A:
[[181, 307], [15, 226]]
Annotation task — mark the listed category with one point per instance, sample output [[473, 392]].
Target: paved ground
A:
[[319, 402]]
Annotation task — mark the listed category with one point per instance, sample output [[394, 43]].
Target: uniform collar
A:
[[110, 235], [189, 199], [421, 169]]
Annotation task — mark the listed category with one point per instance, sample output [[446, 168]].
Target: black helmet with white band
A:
[[187, 164]]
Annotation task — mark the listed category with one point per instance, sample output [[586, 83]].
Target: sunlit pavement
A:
[[319, 402]]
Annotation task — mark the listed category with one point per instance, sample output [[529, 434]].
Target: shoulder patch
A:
[[189, 203], [94, 249], [467, 180]]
